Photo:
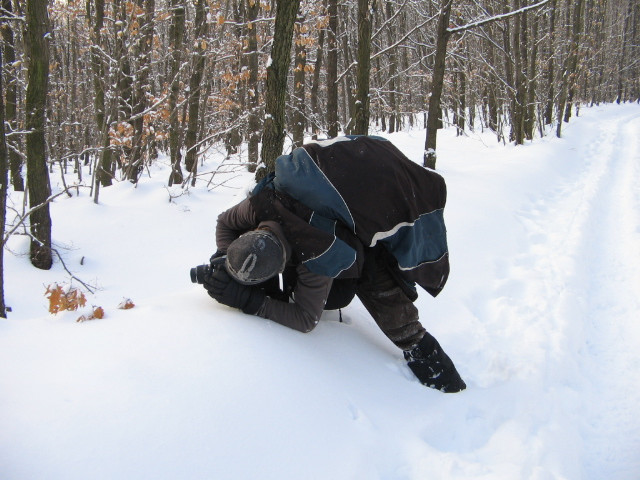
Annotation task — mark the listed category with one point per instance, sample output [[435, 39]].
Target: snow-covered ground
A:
[[540, 315]]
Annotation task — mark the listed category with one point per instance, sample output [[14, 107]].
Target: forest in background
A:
[[112, 84], [126, 74]]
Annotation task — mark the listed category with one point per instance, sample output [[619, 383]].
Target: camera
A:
[[198, 273], [201, 271]]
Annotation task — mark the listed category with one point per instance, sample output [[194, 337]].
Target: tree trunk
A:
[[124, 91], [299, 74], [530, 111], [37, 20], [490, 88], [434, 117], [626, 35], [548, 111], [570, 69], [635, 71], [471, 94], [104, 166], [596, 63], [315, 111], [519, 49], [332, 70], [348, 87], [361, 112], [276, 87], [4, 189], [195, 81], [232, 138], [391, 32], [462, 99], [176, 34], [11, 117], [253, 89], [141, 88]]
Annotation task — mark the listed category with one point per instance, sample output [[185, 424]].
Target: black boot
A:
[[433, 367]]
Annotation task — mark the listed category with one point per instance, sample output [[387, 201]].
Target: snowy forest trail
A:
[[585, 249]]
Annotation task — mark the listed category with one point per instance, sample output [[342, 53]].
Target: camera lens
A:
[[198, 273]]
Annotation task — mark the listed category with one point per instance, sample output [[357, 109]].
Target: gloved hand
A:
[[226, 290], [216, 255], [217, 261]]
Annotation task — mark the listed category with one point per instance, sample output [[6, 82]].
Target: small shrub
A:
[[61, 300], [126, 304], [97, 313]]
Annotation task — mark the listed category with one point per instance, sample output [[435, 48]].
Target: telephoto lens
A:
[[198, 273]]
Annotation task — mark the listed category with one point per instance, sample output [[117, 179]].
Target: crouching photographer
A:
[[346, 217]]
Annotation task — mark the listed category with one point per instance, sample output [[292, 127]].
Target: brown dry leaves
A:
[[71, 299]]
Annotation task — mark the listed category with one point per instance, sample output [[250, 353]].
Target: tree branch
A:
[[28, 213], [64, 265], [403, 38], [503, 16]]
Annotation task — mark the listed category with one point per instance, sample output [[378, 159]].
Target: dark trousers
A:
[[389, 305]]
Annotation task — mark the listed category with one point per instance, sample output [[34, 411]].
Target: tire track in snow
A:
[[582, 302], [611, 269], [564, 312]]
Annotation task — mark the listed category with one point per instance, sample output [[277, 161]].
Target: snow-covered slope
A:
[[540, 316]]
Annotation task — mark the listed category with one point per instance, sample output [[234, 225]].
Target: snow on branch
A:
[[389, 20], [407, 35], [503, 16]]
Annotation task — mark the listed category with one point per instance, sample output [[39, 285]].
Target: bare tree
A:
[[434, 117], [550, 66], [104, 165], [253, 89], [570, 67], [198, 64], [365, 8], [332, 69], [176, 40], [276, 86], [11, 112], [37, 173], [299, 78], [629, 34], [141, 87], [316, 116], [443, 33], [4, 189]]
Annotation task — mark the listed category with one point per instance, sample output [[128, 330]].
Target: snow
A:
[[539, 315]]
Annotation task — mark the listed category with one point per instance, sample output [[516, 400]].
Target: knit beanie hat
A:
[[255, 257]]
